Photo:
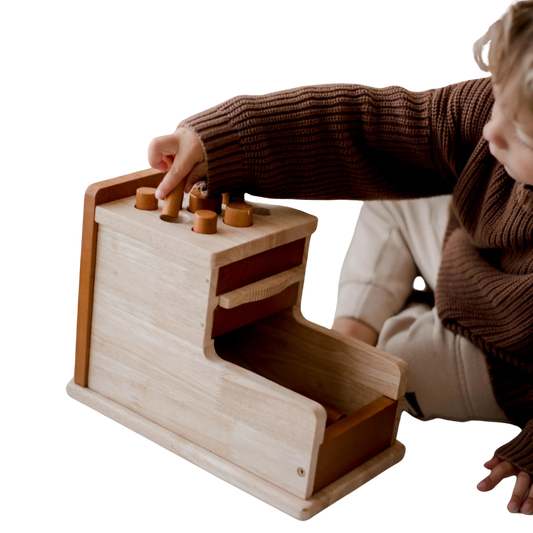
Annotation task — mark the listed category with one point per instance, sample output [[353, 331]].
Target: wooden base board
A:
[[237, 476]]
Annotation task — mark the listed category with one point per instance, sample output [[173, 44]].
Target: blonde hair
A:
[[510, 56]]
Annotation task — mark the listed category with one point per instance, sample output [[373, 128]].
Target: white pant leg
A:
[[393, 242], [448, 377]]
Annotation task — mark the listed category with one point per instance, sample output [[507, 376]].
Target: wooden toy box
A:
[[197, 342]]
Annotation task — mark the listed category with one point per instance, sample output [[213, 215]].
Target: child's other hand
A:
[[181, 156], [354, 328], [502, 469]]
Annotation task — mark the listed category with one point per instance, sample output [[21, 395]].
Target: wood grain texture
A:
[[95, 193]]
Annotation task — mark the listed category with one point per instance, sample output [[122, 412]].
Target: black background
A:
[[118, 83]]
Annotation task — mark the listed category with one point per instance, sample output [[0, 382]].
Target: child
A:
[[395, 241], [468, 148]]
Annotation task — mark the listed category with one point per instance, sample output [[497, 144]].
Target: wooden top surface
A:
[[272, 226]]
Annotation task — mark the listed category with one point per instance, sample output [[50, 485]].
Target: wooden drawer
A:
[[352, 441], [260, 266], [225, 320], [269, 282]]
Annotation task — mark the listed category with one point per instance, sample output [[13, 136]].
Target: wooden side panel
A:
[[97, 194]]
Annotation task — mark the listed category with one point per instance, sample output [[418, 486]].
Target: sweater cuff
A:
[[519, 451]]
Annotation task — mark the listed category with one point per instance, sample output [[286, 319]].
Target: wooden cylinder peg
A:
[[198, 201], [236, 196], [333, 415], [172, 205], [238, 214], [205, 221], [145, 199]]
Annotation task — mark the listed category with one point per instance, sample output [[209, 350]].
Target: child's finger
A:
[[189, 152], [492, 463], [175, 174], [495, 477], [517, 495]]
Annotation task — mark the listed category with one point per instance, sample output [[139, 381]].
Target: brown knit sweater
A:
[[357, 142]]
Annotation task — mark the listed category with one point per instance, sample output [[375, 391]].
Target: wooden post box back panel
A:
[[97, 194]]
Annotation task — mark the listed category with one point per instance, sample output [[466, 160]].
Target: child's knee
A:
[[402, 335]]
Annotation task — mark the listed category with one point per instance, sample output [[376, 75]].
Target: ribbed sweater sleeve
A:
[[338, 141], [519, 451]]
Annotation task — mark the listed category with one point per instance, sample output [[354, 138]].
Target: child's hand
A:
[[354, 328], [502, 469], [182, 156]]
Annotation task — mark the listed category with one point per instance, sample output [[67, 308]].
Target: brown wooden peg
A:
[[172, 205], [205, 221], [235, 196], [239, 214], [145, 199], [333, 415], [198, 201]]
